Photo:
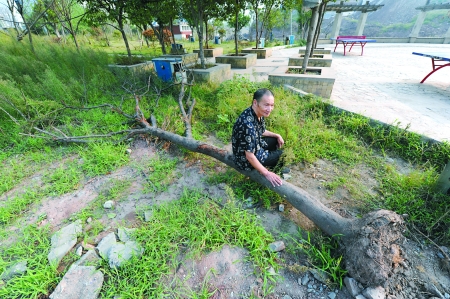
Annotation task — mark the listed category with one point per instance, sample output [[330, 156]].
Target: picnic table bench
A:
[[438, 61], [358, 40]]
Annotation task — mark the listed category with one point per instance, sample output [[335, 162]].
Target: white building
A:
[[6, 20]]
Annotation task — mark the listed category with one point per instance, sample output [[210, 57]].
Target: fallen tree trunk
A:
[[372, 244]]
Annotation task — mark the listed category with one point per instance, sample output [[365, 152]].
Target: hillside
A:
[[395, 19]]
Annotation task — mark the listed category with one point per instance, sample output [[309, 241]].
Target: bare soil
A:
[[228, 270]]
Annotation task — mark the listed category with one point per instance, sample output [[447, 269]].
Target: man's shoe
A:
[[285, 170]]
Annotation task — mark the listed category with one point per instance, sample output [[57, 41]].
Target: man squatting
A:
[[254, 147]]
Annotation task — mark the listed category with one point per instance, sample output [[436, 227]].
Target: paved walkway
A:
[[383, 84]]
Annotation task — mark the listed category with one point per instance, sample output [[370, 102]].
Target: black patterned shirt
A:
[[247, 136]]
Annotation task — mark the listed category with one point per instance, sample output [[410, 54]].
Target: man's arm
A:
[[277, 136], [272, 177]]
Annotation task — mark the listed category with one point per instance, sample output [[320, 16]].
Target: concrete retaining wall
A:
[[394, 40], [312, 61], [216, 74], [238, 62], [261, 53], [320, 85], [210, 52], [189, 58]]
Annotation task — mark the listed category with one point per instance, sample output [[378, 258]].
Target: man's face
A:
[[265, 106]]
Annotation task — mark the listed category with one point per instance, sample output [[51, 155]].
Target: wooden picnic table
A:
[[359, 40], [439, 60]]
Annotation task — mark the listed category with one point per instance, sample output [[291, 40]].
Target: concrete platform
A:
[[383, 84]]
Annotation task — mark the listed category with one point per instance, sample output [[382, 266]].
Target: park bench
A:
[[358, 40]]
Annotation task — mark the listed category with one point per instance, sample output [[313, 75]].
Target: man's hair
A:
[[260, 93]]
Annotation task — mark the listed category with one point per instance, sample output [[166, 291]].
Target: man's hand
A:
[[273, 178], [280, 141]]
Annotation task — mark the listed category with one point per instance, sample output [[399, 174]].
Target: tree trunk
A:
[[311, 31], [236, 26], [124, 36], [256, 27], [171, 31], [200, 40], [206, 34], [160, 36], [372, 244], [74, 35], [322, 7]]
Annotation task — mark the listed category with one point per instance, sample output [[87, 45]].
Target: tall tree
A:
[[110, 12], [197, 12], [156, 14], [24, 9], [235, 8], [69, 14], [262, 10]]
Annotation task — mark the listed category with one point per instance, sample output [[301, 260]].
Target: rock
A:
[[287, 297], [121, 253], [108, 204], [319, 275], [360, 297], [281, 208], [440, 255], [286, 176], [79, 282], [105, 245], [305, 279], [79, 250], [148, 216], [352, 286], [89, 220], [447, 296], [15, 270], [90, 258], [277, 246], [62, 241], [128, 151], [374, 293], [332, 295], [125, 234], [111, 215]]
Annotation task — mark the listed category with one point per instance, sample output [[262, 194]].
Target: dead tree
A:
[[373, 245]]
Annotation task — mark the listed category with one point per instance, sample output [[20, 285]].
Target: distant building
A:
[[180, 31], [6, 20]]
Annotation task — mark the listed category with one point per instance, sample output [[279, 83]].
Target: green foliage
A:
[[31, 246], [322, 255], [103, 157], [192, 222], [159, 172]]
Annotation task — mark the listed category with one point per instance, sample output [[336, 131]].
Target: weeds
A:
[[322, 255]]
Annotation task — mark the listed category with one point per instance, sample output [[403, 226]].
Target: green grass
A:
[[192, 222]]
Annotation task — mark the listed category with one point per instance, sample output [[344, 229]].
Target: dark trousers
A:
[[274, 153]]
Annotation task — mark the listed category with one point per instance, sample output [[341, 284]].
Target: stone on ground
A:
[[62, 241], [15, 270], [79, 282]]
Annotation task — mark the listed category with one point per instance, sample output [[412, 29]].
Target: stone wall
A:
[[316, 51], [312, 61], [188, 59], [238, 62], [216, 74], [261, 53], [210, 52], [320, 85]]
